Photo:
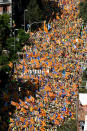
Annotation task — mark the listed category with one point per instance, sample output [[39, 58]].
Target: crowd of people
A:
[[60, 50]]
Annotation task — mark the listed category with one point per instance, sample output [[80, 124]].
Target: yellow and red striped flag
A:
[[45, 28]]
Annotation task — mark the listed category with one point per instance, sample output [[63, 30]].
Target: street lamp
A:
[[24, 17], [14, 49], [14, 39]]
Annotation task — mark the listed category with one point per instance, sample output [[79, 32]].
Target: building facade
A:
[[5, 6]]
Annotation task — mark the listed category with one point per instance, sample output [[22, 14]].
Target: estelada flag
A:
[[10, 64], [40, 29], [45, 28], [14, 103], [57, 17], [22, 119], [11, 120]]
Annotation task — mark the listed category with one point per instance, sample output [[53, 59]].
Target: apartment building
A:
[[5, 6]]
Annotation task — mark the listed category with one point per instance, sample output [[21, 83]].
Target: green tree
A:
[[34, 12], [3, 59], [4, 28], [71, 125], [22, 36], [83, 11], [9, 44], [18, 42], [84, 77]]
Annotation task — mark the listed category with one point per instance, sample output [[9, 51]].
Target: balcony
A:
[[3, 2]]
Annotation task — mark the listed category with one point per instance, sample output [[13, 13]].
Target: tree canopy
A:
[[71, 125], [7, 41], [17, 41], [4, 28], [83, 11], [34, 12]]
